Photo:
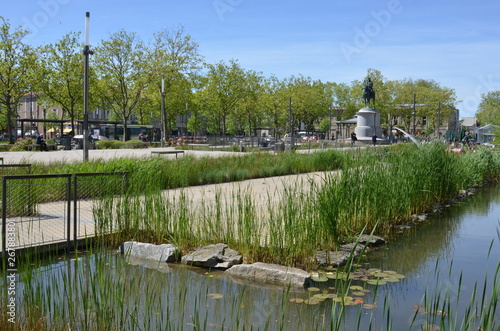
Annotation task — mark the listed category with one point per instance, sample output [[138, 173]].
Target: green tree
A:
[[488, 111], [224, 90], [274, 101], [17, 61], [431, 101], [60, 75], [174, 59], [119, 63], [311, 100], [247, 115]]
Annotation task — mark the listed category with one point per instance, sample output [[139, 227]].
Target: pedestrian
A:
[[41, 142], [353, 138], [374, 139]]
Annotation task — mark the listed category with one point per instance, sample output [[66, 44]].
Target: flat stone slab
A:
[[273, 273], [334, 258], [371, 240], [162, 253], [218, 256]]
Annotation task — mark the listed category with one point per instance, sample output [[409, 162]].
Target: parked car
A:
[[201, 140], [185, 140]]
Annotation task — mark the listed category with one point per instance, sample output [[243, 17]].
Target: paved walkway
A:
[[99, 154]]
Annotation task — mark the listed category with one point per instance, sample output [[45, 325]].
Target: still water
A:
[[449, 262]]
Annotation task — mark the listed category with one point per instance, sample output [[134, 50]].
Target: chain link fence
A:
[[46, 209]]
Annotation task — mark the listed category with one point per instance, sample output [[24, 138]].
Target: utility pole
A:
[[86, 52]]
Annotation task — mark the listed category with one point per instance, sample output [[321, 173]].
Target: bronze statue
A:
[[368, 93]]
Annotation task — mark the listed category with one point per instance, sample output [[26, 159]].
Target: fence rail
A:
[[58, 208]]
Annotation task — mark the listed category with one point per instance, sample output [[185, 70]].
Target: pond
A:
[[450, 266]]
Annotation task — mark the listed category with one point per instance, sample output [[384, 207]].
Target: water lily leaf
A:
[[215, 296], [320, 297], [369, 306], [311, 301], [356, 288], [296, 300], [376, 282], [335, 275], [398, 276], [391, 279], [390, 272], [313, 289], [330, 295], [358, 293], [349, 303], [319, 277]]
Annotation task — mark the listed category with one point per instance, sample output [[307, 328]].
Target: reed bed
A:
[[373, 190]]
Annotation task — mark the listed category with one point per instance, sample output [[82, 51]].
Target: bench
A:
[[1, 159], [34, 147], [167, 152]]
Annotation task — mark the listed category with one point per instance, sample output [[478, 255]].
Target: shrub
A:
[[22, 145]]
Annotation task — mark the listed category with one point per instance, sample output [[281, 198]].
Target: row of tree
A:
[[128, 76]]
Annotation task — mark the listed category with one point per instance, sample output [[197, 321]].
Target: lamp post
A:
[[86, 52], [163, 117], [44, 105]]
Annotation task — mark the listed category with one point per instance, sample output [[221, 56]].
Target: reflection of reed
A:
[[437, 238]]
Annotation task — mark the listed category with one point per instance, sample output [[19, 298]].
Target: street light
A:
[[44, 105], [163, 115], [86, 53]]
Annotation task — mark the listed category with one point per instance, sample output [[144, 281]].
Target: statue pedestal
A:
[[368, 124]]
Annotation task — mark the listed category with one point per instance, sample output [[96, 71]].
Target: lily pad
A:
[[320, 297], [319, 277], [335, 275], [369, 306], [296, 300], [311, 301], [356, 288], [313, 289], [398, 276], [391, 279], [358, 293], [376, 282], [215, 296]]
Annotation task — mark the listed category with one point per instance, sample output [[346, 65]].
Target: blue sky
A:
[[452, 42]]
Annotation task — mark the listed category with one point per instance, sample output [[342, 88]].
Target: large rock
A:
[[371, 240], [332, 258], [218, 256], [274, 273], [162, 253]]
